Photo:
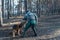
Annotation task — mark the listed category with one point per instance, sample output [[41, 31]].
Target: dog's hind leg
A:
[[19, 32]]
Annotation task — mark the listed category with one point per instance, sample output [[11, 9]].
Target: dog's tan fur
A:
[[18, 29]]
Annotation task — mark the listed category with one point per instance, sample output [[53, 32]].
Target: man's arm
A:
[[25, 17], [24, 20], [36, 18]]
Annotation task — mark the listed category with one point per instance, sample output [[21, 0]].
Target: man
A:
[[32, 20]]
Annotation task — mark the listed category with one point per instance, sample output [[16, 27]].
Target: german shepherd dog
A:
[[17, 29]]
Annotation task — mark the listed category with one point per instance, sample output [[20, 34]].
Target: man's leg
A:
[[34, 30], [26, 28]]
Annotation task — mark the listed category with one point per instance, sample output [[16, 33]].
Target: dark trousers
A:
[[28, 25], [34, 30]]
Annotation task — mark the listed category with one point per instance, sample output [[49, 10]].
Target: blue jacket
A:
[[31, 17]]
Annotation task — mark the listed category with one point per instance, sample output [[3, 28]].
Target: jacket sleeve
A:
[[25, 17]]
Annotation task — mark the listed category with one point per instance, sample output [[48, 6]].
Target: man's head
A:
[[28, 11]]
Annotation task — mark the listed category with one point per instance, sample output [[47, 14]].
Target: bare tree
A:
[[3, 8], [38, 8]]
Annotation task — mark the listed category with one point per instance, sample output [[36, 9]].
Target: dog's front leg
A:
[[14, 31]]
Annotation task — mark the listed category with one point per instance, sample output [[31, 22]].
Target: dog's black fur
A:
[[17, 26]]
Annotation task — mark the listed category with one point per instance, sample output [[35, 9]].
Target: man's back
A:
[[32, 17]]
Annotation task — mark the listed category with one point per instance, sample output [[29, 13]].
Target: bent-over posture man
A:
[[32, 20]]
